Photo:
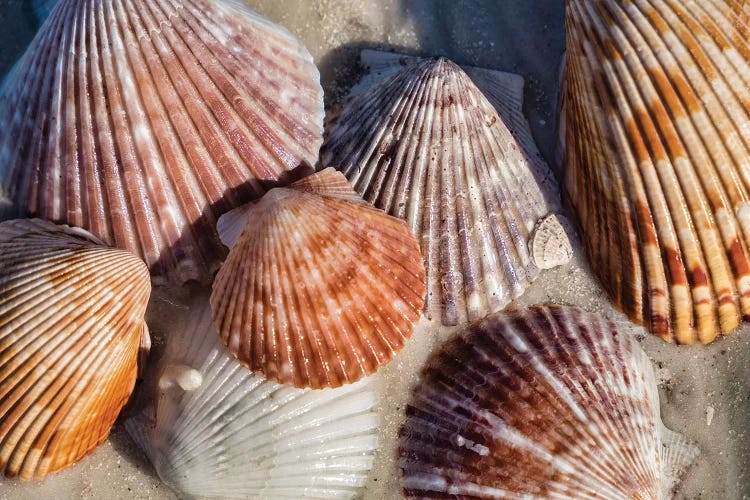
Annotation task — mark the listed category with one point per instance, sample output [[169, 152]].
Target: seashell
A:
[[426, 146], [656, 151], [221, 431], [550, 242], [544, 402], [143, 121], [71, 323], [318, 290], [327, 182]]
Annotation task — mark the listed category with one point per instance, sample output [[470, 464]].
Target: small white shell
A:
[[550, 243], [545, 402], [221, 431]]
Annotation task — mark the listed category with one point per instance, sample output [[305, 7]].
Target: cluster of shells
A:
[[171, 141]]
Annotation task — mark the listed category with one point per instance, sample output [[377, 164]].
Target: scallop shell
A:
[[545, 402], [221, 431], [71, 321], [426, 146], [144, 120], [318, 290], [656, 128]]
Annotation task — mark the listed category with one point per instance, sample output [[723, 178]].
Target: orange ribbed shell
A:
[[318, 290], [656, 130], [71, 319]]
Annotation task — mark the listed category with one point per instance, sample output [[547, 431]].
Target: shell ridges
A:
[[544, 402], [425, 145], [143, 121], [319, 289], [71, 320]]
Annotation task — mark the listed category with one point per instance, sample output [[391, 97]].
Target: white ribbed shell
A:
[[427, 146], [540, 403], [221, 431], [142, 121]]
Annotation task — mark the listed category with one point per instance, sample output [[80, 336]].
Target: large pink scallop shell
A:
[[143, 121]]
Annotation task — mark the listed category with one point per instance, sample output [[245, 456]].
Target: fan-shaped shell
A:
[[142, 121], [221, 431], [656, 105], [318, 290], [426, 146], [71, 320], [545, 402]]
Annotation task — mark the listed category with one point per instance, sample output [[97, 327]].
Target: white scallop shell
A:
[[221, 431], [71, 324], [142, 121], [544, 402], [425, 145]]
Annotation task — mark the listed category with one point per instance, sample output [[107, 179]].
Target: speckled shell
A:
[[425, 145], [656, 129], [550, 242], [545, 402], [318, 290], [142, 121], [71, 320], [221, 431]]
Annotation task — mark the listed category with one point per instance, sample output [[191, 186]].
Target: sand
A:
[[704, 393]]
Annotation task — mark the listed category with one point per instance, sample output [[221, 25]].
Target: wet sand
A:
[[520, 36]]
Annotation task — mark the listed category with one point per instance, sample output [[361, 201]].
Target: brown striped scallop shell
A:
[[656, 131], [71, 321], [318, 290], [543, 402], [143, 121], [425, 145]]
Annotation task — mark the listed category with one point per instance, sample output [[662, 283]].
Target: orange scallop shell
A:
[[656, 132], [71, 320], [318, 290]]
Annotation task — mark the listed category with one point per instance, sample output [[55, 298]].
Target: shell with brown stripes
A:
[[656, 131], [71, 321], [320, 288], [544, 402], [143, 121]]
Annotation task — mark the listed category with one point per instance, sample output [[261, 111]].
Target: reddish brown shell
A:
[[71, 319], [656, 130], [318, 290], [544, 402], [143, 121]]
